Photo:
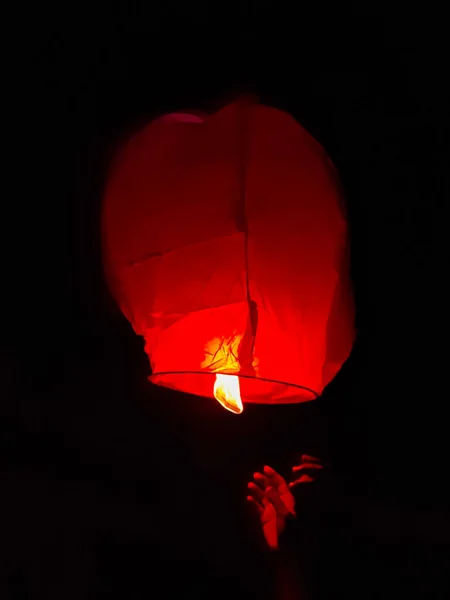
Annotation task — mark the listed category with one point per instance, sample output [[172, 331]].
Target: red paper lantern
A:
[[226, 248]]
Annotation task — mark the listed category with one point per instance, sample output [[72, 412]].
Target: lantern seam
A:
[[151, 255]]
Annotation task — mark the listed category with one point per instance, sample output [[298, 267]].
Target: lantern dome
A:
[[226, 247]]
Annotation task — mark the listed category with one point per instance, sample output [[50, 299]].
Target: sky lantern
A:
[[226, 247]]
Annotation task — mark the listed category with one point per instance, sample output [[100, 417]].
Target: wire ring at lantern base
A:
[[313, 393]]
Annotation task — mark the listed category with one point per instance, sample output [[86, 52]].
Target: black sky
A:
[[101, 469]]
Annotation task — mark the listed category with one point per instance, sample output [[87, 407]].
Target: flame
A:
[[227, 391]]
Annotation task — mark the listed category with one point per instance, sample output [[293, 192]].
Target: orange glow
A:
[[227, 391]]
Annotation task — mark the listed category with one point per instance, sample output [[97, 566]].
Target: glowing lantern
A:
[[225, 246]]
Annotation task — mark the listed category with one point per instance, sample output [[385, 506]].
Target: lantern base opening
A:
[[254, 390]]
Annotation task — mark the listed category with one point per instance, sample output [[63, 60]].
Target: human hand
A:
[[273, 501], [272, 498], [307, 471]]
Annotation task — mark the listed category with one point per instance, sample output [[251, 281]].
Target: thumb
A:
[[271, 533]]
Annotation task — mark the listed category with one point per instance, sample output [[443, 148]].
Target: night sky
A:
[[114, 488]]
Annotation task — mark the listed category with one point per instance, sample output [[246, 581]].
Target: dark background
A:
[[114, 488]]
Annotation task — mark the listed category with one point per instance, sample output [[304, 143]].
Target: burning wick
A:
[[228, 392]]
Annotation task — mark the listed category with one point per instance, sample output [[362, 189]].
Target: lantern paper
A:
[[226, 247]]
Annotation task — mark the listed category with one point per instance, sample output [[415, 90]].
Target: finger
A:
[[302, 479], [257, 493], [265, 479], [280, 506], [307, 467], [259, 508], [261, 480], [275, 479], [309, 458]]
